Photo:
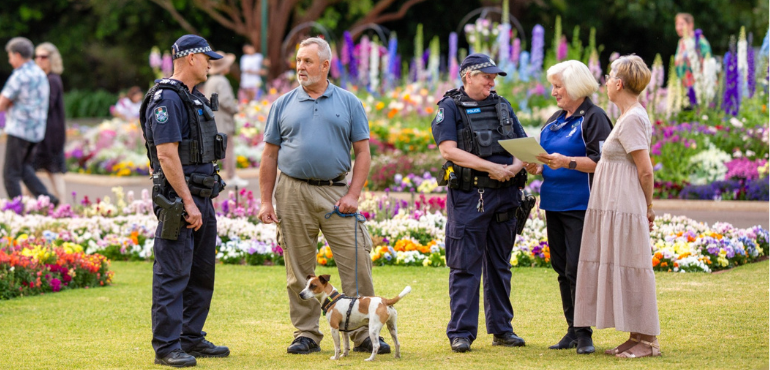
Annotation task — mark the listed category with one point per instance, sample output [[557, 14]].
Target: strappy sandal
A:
[[630, 343], [655, 347]]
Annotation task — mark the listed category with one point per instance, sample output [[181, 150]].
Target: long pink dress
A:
[[615, 281]]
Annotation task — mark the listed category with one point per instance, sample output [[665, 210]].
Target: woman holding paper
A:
[[616, 284], [573, 136]]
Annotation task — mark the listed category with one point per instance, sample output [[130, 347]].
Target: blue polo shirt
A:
[[315, 135], [580, 135], [167, 122]]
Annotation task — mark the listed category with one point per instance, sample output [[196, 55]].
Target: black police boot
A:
[[177, 358], [461, 345], [508, 340], [303, 346], [567, 342], [208, 349], [366, 346], [585, 346]]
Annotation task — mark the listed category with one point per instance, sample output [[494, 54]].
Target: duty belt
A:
[[338, 181], [484, 182]]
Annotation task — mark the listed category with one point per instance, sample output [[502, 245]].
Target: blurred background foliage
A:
[[105, 44]]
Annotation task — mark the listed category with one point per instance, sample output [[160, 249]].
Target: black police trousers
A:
[[183, 283], [476, 244]]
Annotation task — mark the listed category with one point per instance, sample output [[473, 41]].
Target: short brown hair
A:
[[686, 16], [634, 73]]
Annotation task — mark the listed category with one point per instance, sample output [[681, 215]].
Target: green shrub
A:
[[79, 104]]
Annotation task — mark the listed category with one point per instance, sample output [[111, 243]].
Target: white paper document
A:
[[525, 149]]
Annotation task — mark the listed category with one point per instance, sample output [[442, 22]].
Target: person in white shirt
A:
[[251, 72]]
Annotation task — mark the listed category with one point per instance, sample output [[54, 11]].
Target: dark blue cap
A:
[[482, 62], [192, 44]]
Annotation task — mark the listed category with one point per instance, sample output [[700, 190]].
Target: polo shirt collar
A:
[[302, 95], [583, 108]]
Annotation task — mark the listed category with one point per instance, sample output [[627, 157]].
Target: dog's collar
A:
[[331, 300]]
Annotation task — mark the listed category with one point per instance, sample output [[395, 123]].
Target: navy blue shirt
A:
[[449, 120], [167, 122]]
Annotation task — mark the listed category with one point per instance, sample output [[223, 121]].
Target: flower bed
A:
[[404, 233], [31, 266]]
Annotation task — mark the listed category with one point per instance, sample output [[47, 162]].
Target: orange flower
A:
[[664, 264], [655, 262], [392, 113]]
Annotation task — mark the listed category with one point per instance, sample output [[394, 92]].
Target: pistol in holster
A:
[[171, 216], [454, 176]]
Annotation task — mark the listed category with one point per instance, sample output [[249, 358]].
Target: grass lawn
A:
[[708, 321]]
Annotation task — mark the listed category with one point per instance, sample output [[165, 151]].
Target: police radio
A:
[[214, 101]]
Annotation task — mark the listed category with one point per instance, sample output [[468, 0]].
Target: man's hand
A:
[[193, 216], [267, 213], [499, 172], [347, 204]]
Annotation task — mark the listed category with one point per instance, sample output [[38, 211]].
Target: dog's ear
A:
[[309, 276], [324, 278]]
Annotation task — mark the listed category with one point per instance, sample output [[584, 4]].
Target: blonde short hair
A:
[[53, 56], [576, 78], [634, 73], [473, 73]]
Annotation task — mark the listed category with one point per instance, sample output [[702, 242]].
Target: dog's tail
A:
[[395, 300]]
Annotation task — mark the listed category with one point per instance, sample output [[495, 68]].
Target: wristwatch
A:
[[572, 164]]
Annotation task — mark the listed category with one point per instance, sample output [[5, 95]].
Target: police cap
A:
[[482, 62], [192, 44]]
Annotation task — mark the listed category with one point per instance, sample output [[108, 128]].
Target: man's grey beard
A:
[[309, 81]]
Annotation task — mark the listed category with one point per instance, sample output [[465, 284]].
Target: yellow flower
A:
[[379, 106], [426, 262]]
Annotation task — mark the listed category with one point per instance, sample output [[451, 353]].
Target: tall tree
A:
[[244, 17]]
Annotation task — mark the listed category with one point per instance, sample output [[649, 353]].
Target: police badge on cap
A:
[[192, 44]]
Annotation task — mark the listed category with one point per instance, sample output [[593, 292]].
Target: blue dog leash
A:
[[359, 218]]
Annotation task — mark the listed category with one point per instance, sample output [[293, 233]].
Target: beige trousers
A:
[[301, 209]]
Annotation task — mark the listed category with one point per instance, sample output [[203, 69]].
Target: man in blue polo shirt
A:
[[308, 136], [25, 97]]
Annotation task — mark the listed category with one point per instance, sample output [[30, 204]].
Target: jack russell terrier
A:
[[349, 313]]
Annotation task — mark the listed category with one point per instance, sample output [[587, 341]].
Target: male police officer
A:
[[182, 144], [481, 202]]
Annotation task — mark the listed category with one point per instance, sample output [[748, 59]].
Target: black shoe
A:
[[461, 345], [208, 349], [508, 340], [366, 346], [566, 342], [585, 346], [54, 200], [303, 346], [177, 358]]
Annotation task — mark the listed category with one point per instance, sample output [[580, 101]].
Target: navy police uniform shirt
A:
[[167, 122], [448, 121]]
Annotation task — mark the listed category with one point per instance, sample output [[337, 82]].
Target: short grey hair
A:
[[21, 46], [473, 73], [576, 78], [324, 50], [53, 56]]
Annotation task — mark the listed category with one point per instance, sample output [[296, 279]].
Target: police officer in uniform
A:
[[183, 144], [483, 181]]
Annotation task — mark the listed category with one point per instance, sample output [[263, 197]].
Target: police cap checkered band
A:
[[475, 67], [191, 51]]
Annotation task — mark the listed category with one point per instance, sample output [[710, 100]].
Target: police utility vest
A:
[[205, 144], [485, 123]]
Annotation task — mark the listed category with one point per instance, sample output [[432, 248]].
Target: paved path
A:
[[738, 213]]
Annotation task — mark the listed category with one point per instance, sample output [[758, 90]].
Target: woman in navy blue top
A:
[[573, 136]]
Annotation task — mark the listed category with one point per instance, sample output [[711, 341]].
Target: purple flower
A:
[[538, 42], [167, 65], [515, 51], [562, 51], [751, 70], [15, 205], [731, 100]]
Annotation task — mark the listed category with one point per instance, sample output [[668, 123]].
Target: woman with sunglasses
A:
[[49, 153], [616, 284], [573, 136]]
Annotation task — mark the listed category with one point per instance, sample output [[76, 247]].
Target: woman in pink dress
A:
[[615, 280]]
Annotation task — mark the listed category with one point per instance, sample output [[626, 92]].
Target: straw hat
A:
[[222, 65]]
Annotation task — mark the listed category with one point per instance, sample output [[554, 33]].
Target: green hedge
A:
[[85, 103]]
